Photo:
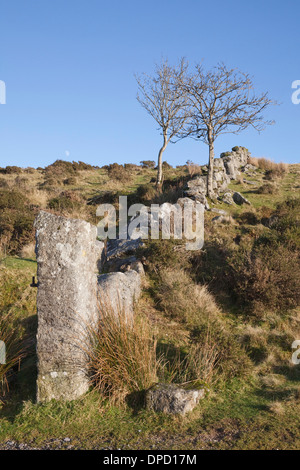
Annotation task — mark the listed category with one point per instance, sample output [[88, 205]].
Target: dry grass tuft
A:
[[183, 300], [276, 408], [28, 251], [122, 354], [10, 352], [269, 166]]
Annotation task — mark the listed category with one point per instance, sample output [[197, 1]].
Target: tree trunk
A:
[[210, 169], [160, 162]]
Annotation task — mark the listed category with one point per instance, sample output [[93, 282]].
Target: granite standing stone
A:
[[67, 257]]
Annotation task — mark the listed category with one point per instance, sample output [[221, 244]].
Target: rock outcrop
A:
[[226, 168]]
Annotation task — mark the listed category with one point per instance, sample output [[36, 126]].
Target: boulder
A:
[[172, 398], [121, 247], [218, 211], [119, 291], [227, 198], [239, 199], [125, 264]]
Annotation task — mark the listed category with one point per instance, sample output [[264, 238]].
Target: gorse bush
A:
[[267, 188], [65, 203], [11, 170], [16, 221], [267, 277], [148, 164], [260, 273], [118, 173]]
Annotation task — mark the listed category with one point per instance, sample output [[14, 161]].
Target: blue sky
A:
[[69, 70]]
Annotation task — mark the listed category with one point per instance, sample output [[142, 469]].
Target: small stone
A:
[[172, 398]]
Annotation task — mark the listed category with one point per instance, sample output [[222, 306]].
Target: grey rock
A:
[[119, 247], [253, 183], [125, 264], [231, 169], [218, 211], [227, 198], [119, 291], [172, 399], [239, 199], [249, 167], [67, 256]]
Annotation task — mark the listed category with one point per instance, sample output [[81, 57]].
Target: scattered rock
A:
[[125, 264], [227, 198], [172, 399], [218, 211], [239, 199], [117, 248], [249, 168]]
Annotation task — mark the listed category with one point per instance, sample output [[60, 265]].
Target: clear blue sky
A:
[[68, 66]]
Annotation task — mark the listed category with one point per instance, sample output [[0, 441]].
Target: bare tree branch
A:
[[221, 101], [166, 101]]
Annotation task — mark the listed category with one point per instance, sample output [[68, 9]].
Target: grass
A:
[[122, 353], [242, 417], [255, 406]]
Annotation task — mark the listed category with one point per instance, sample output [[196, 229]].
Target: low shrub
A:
[[248, 218], [267, 188], [118, 173], [11, 170], [267, 277], [71, 181], [64, 204], [131, 167], [148, 164], [3, 183], [16, 221], [272, 169]]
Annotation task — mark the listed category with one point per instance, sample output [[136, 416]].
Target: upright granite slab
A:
[[67, 257]]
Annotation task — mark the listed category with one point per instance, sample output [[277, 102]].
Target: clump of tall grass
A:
[[182, 299], [193, 168], [122, 354], [276, 169], [10, 352]]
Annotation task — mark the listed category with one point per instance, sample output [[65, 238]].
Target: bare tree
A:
[[166, 101], [222, 101]]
